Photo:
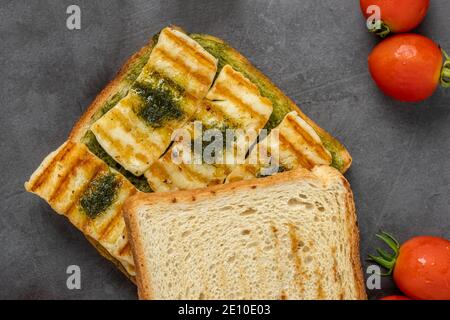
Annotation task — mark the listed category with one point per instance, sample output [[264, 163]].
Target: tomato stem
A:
[[383, 31], [445, 73], [384, 259]]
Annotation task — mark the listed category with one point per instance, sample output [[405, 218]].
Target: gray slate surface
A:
[[316, 51]]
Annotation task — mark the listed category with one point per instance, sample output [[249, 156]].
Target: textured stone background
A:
[[316, 51]]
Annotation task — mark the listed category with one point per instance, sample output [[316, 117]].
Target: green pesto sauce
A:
[[225, 55], [281, 104], [109, 104], [162, 101], [130, 78], [89, 138], [136, 69], [91, 142], [99, 195], [337, 161]]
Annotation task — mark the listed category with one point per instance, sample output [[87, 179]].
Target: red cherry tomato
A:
[[397, 15], [408, 67], [422, 270], [421, 266], [395, 298]]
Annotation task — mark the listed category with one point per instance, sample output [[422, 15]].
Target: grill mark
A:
[[192, 173], [63, 182], [178, 64], [336, 276], [242, 106], [277, 257], [320, 293], [304, 162], [95, 166], [58, 157], [250, 169], [297, 260], [158, 171], [132, 129], [245, 84], [126, 150], [217, 113], [112, 223], [90, 222], [198, 55], [125, 250], [70, 209], [318, 148], [99, 130], [106, 230]]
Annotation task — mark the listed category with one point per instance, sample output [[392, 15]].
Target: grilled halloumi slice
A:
[[178, 57], [292, 144], [166, 94], [83, 188], [239, 99], [232, 103]]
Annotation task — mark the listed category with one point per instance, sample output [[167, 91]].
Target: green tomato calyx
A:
[[386, 260], [383, 31], [445, 73]]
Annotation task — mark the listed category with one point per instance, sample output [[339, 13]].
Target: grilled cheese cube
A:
[[137, 131], [81, 187], [292, 144], [135, 134], [178, 57], [232, 103], [239, 99], [171, 172]]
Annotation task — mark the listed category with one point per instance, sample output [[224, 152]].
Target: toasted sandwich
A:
[[127, 129]]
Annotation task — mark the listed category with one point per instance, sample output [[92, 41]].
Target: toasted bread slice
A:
[[232, 103], [292, 144], [289, 236]]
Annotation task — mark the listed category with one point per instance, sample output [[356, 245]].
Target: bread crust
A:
[[353, 229], [142, 281], [112, 88], [323, 174], [355, 240]]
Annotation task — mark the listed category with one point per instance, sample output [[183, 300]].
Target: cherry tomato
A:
[[397, 15], [421, 266], [422, 270], [408, 67], [395, 298]]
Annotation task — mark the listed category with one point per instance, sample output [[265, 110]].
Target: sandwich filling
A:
[[232, 103], [166, 94], [292, 144]]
